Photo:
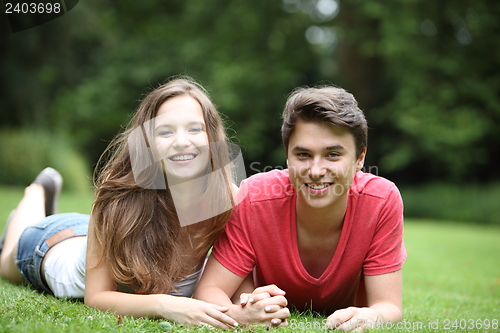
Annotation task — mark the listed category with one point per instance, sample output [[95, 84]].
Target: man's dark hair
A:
[[326, 104]]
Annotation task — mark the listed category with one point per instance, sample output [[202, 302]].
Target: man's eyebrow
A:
[[335, 147], [299, 148]]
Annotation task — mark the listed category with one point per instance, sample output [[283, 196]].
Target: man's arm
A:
[[244, 291], [385, 294], [384, 297], [218, 284]]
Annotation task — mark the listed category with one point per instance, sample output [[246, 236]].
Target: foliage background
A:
[[426, 73]]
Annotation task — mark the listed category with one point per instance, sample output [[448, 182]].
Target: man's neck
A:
[[321, 221]]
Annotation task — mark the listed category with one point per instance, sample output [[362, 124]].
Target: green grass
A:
[[452, 273]]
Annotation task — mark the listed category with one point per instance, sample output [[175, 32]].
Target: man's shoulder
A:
[[274, 184], [372, 185]]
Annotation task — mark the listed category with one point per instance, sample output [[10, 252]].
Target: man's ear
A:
[[361, 160]]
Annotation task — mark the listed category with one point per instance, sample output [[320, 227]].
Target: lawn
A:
[[451, 284]]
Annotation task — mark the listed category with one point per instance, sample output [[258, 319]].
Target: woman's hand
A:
[[193, 312]]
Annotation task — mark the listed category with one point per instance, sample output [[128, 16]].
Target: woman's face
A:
[[181, 138]]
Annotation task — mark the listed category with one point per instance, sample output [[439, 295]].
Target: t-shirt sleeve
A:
[[387, 252], [233, 249]]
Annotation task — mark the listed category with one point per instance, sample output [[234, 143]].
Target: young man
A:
[[323, 231]]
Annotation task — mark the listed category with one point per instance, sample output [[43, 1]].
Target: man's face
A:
[[322, 162]]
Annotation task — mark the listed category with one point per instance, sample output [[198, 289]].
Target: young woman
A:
[[163, 196]]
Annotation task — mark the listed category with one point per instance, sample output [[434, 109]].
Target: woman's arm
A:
[[101, 293]]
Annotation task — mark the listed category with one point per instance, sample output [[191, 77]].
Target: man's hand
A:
[[384, 295], [354, 319], [261, 293], [269, 299]]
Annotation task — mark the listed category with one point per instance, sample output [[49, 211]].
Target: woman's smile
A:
[[181, 139]]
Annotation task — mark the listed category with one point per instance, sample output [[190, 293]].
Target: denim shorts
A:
[[37, 239]]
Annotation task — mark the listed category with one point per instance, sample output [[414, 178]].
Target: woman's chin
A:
[[181, 176], [182, 172]]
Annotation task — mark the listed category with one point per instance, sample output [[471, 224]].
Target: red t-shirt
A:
[[261, 234]]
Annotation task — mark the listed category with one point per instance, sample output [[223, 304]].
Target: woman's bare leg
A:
[[30, 210]]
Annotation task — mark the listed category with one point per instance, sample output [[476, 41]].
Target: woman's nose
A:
[[181, 141]]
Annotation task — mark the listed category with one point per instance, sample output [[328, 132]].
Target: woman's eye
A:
[[164, 133], [195, 130]]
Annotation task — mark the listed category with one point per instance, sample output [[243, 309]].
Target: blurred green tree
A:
[[249, 55], [426, 73]]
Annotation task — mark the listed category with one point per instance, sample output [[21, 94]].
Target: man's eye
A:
[[333, 155], [303, 155]]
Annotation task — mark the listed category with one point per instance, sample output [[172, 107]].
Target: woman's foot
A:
[[51, 181]]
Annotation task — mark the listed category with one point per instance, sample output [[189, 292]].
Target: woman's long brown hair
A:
[[144, 245]]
